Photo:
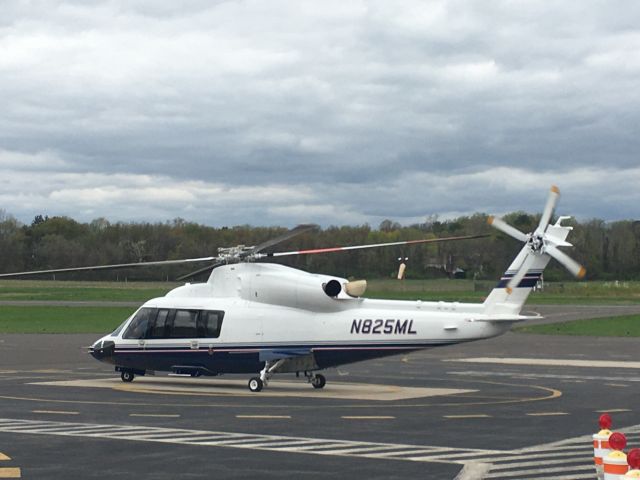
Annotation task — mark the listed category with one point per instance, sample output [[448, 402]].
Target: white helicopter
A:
[[265, 318]]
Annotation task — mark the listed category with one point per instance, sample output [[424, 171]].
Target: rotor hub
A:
[[536, 243]]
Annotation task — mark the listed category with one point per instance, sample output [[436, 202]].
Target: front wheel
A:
[[127, 376], [318, 381], [255, 384]]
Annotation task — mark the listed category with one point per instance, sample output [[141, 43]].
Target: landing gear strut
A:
[[317, 379], [258, 383]]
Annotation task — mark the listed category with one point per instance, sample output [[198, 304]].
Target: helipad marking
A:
[[10, 472], [217, 387], [550, 362]]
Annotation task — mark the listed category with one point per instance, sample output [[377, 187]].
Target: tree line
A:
[[608, 250]]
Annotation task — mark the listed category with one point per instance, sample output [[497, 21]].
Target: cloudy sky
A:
[[333, 112]]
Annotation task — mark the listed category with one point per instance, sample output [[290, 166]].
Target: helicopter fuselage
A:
[[247, 315]]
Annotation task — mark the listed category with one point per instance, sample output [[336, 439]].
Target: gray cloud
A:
[[336, 112]]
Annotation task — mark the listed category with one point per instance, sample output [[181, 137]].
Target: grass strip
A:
[[62, 319], [623, 326]]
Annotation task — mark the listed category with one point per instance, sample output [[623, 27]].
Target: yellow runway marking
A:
[[264, 416], [546, 414], [55, 412], [368, 417], [10, 473], [227, 387], [480, 415]]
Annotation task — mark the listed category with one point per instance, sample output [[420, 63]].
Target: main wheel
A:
[[127, 376], [255, 384], [318, 381]]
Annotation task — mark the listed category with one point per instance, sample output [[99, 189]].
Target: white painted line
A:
[[578, 476], [540, 463], [546, 414], [473, 471], [368, 417], [266, 417], [615, 385], [55, 412], [614, 410], [540, 471], [371, 450], [550, 362], [320, 446], [155, 415], [552, 454], [479, 415]]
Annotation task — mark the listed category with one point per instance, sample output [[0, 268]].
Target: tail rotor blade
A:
[[567, 262], [508, 229], [552, 199], [521, 273]]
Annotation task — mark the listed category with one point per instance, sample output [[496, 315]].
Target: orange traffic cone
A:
[[615, 464], [601, 443], [633, 459]]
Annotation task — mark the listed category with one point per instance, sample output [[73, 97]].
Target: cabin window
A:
[[184, 324], [161, 323], [138, 327], [209, 323], [160, 327]]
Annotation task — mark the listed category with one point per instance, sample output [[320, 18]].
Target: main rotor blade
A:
[[299, 230], [569, 263], [108, 267], [375, 245], [199, 271], [508, 229], [552, 199]]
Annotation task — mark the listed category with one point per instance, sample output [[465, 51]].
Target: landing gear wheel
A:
[[255, 384], [127, 376], [318, 381]]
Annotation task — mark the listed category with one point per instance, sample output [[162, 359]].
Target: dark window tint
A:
[[160, 328], [138, 326], [209, 323], [170, 323], [184, 324]]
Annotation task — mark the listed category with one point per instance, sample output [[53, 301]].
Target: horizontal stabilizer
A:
[[505, 318]]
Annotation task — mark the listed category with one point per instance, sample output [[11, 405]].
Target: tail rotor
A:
[[545, 240]]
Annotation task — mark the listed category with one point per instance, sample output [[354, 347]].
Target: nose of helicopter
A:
[[102, 350]]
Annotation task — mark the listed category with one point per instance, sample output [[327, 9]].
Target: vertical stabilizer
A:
[[509, 300]]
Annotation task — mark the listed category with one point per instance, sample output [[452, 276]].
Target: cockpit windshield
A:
[[117, 331]]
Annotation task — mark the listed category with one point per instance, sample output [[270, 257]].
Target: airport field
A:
[[38, 306]]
